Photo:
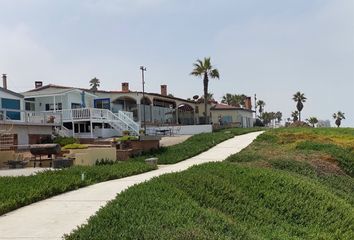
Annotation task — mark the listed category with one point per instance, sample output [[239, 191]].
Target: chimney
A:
[[164, 90], [125, 87], [248, 103], [38, 84], [4, 81]]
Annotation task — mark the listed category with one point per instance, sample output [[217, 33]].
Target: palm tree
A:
[[234, 99], [295, 116], [227, 98], [278, 116], [260, 104], [239, 99], [299, 98], [205, 70], [210, 97], [312, 121], [338, 116], [94, 83], [268, 117]]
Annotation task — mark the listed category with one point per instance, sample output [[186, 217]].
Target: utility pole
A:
[[255, 106], [143, 69]]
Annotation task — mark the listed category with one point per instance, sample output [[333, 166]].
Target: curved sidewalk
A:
[[56, 216]]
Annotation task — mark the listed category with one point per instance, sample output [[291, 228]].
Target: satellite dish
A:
[[195, 97]]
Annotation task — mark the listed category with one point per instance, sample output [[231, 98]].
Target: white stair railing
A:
[[64, 132], [120, 121], [124, 122]]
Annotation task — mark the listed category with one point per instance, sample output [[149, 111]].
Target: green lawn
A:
[[288, 184], [17, 192], [195, 145]]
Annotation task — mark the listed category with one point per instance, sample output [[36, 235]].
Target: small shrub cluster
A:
[[75, 146], [105, 162]]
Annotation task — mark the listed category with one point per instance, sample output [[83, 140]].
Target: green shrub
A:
[[105, 162], [75, 146], [62, 141]]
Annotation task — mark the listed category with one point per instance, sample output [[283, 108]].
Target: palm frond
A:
[[214, 73]]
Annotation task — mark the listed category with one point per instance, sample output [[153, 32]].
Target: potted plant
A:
[[141, 132], [51, 119], [126, 133], [114, 142]]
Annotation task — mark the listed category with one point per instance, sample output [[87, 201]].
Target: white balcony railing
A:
[[29, 117]]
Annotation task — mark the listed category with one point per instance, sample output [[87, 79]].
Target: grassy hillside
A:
[[194, 145], [289, 184]]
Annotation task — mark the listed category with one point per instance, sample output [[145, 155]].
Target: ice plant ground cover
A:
[[288, 184]]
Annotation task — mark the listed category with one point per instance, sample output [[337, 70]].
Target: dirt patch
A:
[[326, 164]]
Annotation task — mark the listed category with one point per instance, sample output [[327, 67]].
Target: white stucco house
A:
[[93, 114]]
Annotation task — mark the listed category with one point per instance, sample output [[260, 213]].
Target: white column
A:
[[54, 103], [91, 130]]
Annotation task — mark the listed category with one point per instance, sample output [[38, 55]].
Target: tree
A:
[[278, 116], [338, 116], [239, 99], [210, 97], [227, 98], [295, 116], [267, 117], [260, 104], [234, 99], [94, 84], [300, 99], [312, 121], [205, 70]]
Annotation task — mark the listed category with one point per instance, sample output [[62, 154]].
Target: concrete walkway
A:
[[53, 217]]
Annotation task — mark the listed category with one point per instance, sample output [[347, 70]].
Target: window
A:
[[7, 103], [75, 105], [30, 106], [227, 119], [50, 106], [104, 103]]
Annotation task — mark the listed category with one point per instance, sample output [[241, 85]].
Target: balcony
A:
[[21, 117]]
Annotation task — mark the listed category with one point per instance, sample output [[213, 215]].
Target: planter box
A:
[[89, 156], [145, 145], [124, 154]]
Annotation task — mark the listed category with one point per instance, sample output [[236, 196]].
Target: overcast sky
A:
[[273, 48]]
